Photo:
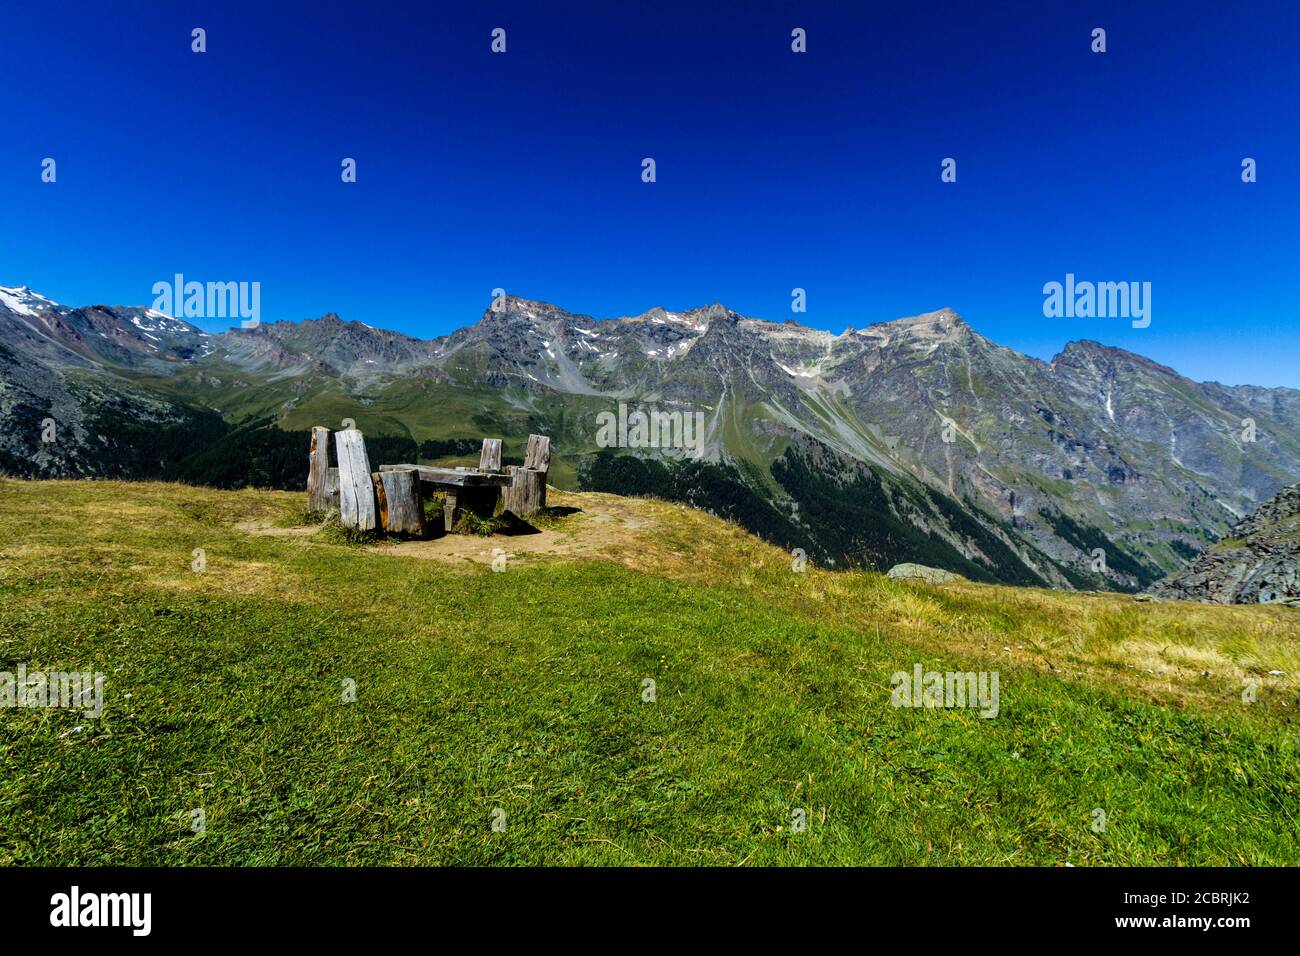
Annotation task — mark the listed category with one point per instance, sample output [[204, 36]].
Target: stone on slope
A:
[[919, 572]]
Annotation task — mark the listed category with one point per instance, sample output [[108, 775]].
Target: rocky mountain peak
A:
[[712, 316], [513, 308], [1087, 353], [926, 331], [943, 321], [22, 300]]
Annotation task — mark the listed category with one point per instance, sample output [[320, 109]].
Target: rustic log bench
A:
[[466, 488], [392, 499]]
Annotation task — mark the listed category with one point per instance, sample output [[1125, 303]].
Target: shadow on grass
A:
[[547, 519]]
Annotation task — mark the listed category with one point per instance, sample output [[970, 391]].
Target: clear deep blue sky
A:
[[775, 170]]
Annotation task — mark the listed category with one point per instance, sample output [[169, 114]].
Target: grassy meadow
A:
[[522, 692]]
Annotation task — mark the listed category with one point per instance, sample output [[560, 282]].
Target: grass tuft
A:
[[333, 532]]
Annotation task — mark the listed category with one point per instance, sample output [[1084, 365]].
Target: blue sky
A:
[[775, 170]]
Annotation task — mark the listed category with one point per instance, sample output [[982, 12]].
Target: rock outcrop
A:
[[1257, 563]]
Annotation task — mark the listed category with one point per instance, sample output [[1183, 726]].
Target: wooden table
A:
[[466, 488]]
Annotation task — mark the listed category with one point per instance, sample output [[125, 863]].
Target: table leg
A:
[[449, 510]]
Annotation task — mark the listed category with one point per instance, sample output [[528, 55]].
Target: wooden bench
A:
[[393, 497]]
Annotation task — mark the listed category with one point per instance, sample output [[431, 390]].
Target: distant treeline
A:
[[1089, 540], [719, 489], [260, 455], [200, 447], [844, 523], [860, 517], [854, 519]]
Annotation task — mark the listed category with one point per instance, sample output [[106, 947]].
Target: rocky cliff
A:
[[1258, 563]]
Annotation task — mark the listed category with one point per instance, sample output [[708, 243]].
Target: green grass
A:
[[485, 527], [523, 690], [1227, 544]]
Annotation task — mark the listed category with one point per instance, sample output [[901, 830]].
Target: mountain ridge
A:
[[1100, 448], [902, 322]]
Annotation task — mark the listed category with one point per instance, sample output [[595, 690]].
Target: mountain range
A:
[[916, 439]]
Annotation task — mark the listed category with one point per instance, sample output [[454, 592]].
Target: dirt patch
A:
[[601, 526]]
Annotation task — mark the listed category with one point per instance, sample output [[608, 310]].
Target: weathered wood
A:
[[381, 500], [318, 460], [401, 503], [489, 458], [526, 494], [356, 487], [452, 477], [538, 456], [482, 501], [450, 509], [332, 489], [466, 488]]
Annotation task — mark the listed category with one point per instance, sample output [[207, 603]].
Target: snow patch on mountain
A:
[[23, 301]]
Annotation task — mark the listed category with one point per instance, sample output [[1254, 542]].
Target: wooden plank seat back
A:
[[356, 487], [489, 458], [527, 492]]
